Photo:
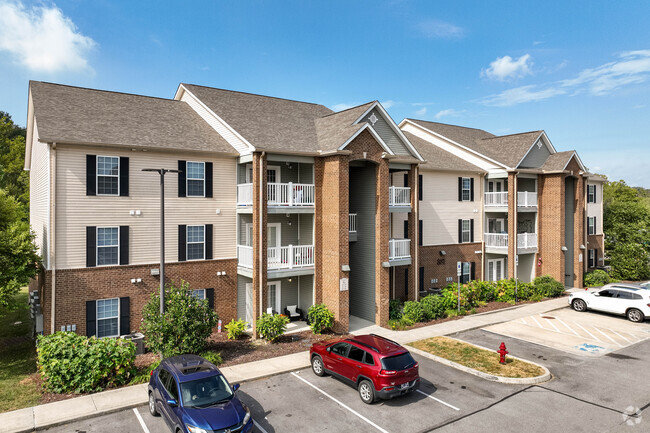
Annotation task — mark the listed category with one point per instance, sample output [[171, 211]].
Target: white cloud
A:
[[505, 68], [421, 104], [449, 112], [617, 165], [42, 38], [388, 104], [440, 29], [421, 112], [341, 107], [520, 95]]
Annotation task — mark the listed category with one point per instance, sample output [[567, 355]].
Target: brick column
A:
[[550, 238], [382, 235], [413, 218], [332, 236], [512, 223], [259, 238], [579, 237]]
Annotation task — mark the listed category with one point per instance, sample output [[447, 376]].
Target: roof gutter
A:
[[136, 146]]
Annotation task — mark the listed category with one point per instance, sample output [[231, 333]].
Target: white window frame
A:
[[97, 247], [198, 293], [188, 179], [467, 265], [591, 258], [277, 302], [468, 231], [187, 242], [97, 319], [591, 193], [468, 189], [276, 168], [97, 175], [591, 224]]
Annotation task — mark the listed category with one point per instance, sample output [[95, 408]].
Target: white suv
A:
[[625, 300]]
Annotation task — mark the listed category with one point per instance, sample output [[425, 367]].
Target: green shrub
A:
[[548, 287], [434, 307], [413, 311], [185, 327], [597, 278], [69, 362], [320, 318], [213, 357], [394, 309], [144, 374], [236, 329], [272, 326]]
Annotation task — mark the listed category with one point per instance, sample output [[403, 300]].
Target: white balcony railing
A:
[[245, 194], [496, 240], [399, 249], [527, 199], [496, 199], [526, 240], [289, 257], [399, 196], [245, 256], [352, 220]]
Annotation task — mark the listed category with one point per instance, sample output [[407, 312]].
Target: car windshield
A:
[[205, 392], [398, 362]]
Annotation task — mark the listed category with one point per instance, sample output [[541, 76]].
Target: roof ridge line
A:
[[510, 135], [348, 109], [447, 124], [253, 94], [103, 90]]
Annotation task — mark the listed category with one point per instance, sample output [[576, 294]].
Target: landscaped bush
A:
[[320, 318], [597, 278], [394, 309], [272, 326], [547, 286], [434, 307], [185, 327], [413, 311], [69, 362], [213, 357], [236, 329]]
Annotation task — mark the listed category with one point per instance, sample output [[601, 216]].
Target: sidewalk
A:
[[61, 412]]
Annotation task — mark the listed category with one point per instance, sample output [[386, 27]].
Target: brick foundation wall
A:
[[596, 242], [76, 286]]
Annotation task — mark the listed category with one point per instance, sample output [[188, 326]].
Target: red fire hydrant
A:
[[502, 352]]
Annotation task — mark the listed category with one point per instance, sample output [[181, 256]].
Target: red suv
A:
[[376, 366]]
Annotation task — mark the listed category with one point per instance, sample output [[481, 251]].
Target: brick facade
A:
[[550, 204], [76, 286], [441, 267], [595, 242]]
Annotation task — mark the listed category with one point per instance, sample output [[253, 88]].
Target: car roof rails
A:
[[363, 344], [387, 339]]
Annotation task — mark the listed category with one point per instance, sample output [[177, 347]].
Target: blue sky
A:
[[578, 70]]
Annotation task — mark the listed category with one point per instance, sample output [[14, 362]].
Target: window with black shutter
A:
[[420, 193], [182, 244], [420, 233]]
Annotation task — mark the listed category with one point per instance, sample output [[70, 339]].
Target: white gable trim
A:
[[235, 139], [374, 134], [393, 126], [442, 137], [30, 132], [542, 136], [582, 166]]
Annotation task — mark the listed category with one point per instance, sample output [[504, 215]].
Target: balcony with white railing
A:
[[527, 199], [526, 241], [496, 241], [399, 196], [290, 194], [496, 199], [399, 249], [289, 257]]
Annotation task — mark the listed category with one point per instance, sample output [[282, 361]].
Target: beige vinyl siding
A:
[[75, 210], [39, 193], [596, 209], [215, 122]]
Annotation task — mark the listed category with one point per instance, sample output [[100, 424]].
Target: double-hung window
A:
[[466, 189], [108, 175], [591, 225], [195, 242], [108, 317], [198, 293], [466, 231], [591, 258], [591, 193], [466, 272], [107, 246], [195, 179]]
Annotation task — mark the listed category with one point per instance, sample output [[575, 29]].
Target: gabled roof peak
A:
[[249, 94]]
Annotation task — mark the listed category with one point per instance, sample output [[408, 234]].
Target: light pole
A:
[[162, 172]]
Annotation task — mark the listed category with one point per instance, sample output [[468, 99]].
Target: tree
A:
[[19, 261], [13, 178]]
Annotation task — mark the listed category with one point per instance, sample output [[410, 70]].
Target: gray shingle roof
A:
[[67, 114], [439, 159], [557, 161], [335, 129]]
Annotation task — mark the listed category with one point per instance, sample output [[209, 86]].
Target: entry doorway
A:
[[249, 304], [496, 225], [274, 290], [496, 269], [496, 186]]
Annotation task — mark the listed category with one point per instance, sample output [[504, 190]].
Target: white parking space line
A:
[[340, 403], [614, 332], [634, 336], [567, 326], [523, 321], [538, 324], [592, 335], [438, 400], [142, 424], [259, 427], [552, 324], [613, 341]]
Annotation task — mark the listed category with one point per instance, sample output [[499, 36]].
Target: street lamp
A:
[[162, 172]]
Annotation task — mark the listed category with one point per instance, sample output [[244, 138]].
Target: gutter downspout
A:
[[516, 240], [482, 192], [261, 224], [53, 238]]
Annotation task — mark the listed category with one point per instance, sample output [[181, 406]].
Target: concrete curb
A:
[[507, 380]]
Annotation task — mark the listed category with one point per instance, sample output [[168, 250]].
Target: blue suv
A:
[[194, 397]]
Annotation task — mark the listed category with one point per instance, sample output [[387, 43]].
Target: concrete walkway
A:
[[51, 414]]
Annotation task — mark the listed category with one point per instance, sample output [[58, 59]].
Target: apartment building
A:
[[594, 224], [277, 203]]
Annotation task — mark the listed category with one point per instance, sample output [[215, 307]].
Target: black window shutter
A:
[[406, 179], [406, 229], [595, 257], [421, 275], [91, 175], [182, 249], [420, 237], [181, 179], [460, 189], [460, 231], [125, 316], [471, 189], [124, 176], [124, 245], [595, 231], [595, 193], [209, 295], [471, 230], [420, 187], [472, 276], [208, 179], [91, 316], [208, 242], [91, 247]]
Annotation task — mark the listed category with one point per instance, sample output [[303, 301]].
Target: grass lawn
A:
[[17, 357], [478, 359]]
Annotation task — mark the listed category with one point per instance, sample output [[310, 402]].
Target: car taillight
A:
[[416, 365], [151, 374], [387, 372]]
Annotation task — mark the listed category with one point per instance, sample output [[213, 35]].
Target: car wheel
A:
[[634, 315], [317, 366], [152, 405], [366, 392], [579, 305]]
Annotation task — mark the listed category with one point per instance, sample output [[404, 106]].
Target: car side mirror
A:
[[235, 387], [596, 294], [329, 349], [172, 402]]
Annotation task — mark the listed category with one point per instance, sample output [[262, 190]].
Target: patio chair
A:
[[293, 312]]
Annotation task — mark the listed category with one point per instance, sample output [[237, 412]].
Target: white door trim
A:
[[277, 302]]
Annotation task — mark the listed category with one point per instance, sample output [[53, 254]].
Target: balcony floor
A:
[[277, 273]]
